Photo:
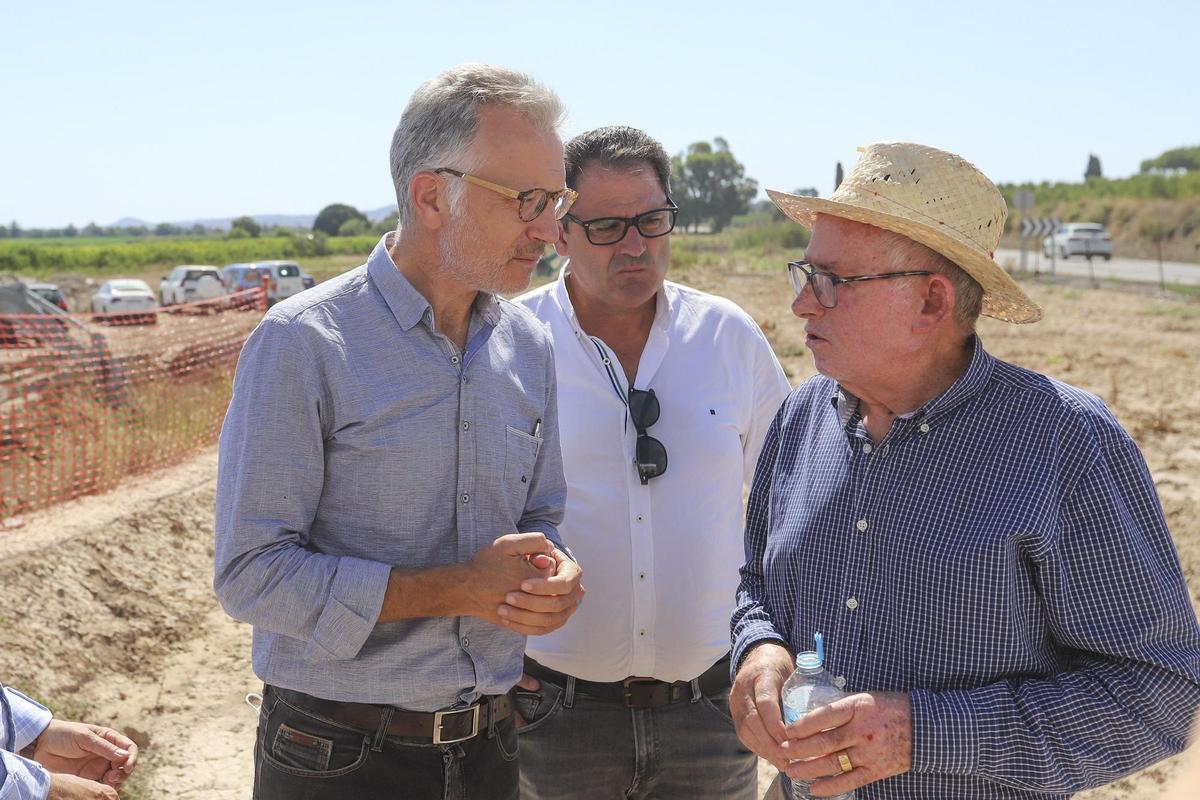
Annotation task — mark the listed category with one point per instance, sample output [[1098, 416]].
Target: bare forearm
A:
[[433, 592]]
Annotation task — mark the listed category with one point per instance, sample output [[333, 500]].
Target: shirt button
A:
[[453, 359], [466, 498], [861, 525], [924, 428], [464, 379], [641, 576], [867, 448], [466, 642], [851, 604], [840, 681], [639, 518], [466, 426], [642, 632]]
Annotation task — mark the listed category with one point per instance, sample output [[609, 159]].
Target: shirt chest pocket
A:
[[520, 456]]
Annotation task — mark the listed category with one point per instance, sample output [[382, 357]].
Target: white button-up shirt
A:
[[661, 560]]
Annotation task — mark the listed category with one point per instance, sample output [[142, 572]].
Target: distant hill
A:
[[266, 220]]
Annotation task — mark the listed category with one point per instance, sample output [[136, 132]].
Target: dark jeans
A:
[[302, 756], [576, 747]]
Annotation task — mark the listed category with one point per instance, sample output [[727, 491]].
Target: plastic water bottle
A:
[[807, 688]]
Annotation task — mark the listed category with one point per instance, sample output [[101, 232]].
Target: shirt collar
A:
[[969, 384], [408, 305]]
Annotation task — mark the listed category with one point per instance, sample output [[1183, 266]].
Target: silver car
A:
[[1078, 239]]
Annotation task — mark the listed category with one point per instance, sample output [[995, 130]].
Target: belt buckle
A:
[[629, 693], [438, 716]]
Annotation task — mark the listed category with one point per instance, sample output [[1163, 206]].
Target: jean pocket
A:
[[537, 708], [305, 746], [301, 750], [718, 704], [506, 739]]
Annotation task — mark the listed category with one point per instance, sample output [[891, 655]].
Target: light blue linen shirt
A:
[[358, 439], [21, 721]]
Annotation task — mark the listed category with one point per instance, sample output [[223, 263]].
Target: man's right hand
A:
[[754, 702], [72, 787]]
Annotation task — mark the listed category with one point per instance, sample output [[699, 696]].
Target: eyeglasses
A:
[[530, 203], [824, 284], [610, 230], [651, 455]]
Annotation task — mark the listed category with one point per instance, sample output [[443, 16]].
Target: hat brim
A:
[[1003, 299]]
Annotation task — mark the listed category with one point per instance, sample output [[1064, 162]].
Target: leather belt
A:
[[440, 727], [638, 692]]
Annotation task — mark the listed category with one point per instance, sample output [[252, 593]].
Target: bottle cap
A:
[[808, 660]]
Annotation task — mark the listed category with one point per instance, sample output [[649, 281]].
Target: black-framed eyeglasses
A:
[[530, 203], [610, 230], [650, 457], [824, 284]]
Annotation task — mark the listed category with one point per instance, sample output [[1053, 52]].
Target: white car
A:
[[126, 297], [1078, 239], [285, 279], [191, 283]]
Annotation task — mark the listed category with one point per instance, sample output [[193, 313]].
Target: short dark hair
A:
[[617, 146]]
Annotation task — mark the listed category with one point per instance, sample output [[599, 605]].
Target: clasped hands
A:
[[873, 730], [525, 583], [84, 761]]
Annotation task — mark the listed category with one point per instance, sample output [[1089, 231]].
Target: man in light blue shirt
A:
[[39, 754], [390, 483]]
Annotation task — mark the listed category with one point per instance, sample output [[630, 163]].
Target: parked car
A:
[[27, 319], [48, 292], [131, 299], [190, 283], [285, 279], [240, 277], [308, 280], [1078, 239]]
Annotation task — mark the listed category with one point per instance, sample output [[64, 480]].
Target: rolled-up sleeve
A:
[[269, 483]]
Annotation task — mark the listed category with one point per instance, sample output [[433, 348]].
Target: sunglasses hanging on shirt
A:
[[650, 457]]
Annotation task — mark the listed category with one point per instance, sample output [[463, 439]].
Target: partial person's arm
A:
[[1116, 600], [752, 620], [21, 721], [269, 481]]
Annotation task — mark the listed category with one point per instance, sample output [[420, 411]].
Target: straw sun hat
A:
[[933, 197]]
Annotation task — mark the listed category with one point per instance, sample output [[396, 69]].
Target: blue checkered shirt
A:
[[21, 721], [1002, 556]]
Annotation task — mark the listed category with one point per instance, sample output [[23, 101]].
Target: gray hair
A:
[[617, 147], [439, 123], [905, 254]]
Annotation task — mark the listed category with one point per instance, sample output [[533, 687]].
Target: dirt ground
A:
[[107, 609]]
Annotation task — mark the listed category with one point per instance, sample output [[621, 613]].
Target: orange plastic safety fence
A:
[[89, 399]]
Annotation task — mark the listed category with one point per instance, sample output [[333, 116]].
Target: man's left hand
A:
[[546, 603], [873, 730], [88, 751]]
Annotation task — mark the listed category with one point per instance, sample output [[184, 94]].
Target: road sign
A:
[[1023, 200], [1039, 226]]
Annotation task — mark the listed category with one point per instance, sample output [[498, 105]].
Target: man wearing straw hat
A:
[[981, 545]]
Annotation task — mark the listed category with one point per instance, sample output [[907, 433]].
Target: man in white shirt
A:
[[664, 394]]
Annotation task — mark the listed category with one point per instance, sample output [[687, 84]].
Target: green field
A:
[[103, 258]]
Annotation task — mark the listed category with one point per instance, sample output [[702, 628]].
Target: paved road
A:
[[1126, 269]]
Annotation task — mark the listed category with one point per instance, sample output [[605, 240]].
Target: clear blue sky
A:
[[177, 110]]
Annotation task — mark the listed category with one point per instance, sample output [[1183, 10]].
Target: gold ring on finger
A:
[[844, 761]]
